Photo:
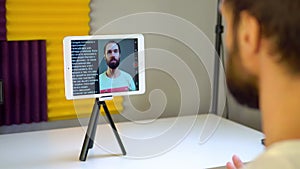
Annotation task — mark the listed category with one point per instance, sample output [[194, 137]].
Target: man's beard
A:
[[241, 84], [113, 65]]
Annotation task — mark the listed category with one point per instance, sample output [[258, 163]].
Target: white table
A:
[[195, 142]]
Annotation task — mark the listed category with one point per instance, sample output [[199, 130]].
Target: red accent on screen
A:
[[118, 89]]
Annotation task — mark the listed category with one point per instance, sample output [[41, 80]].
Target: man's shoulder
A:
[[103, 73], [280, 155], [125, 74]]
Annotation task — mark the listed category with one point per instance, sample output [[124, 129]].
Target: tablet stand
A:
[[92, 127]]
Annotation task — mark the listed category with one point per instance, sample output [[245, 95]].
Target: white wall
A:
[[167, 91]]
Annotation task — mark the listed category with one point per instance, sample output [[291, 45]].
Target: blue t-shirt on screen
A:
[[122, 83]]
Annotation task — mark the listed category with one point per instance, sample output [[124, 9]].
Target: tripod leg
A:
[[93, 133], [90, 133], [112, 124]]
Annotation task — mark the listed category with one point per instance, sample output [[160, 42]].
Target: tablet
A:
[[103, 65]]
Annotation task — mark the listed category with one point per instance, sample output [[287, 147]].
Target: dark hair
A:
[[112, 41], [279, 21]]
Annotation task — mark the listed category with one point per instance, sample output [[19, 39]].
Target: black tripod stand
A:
[[218, 42], [91, 131]]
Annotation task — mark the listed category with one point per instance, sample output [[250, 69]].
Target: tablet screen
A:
[[104, 65]]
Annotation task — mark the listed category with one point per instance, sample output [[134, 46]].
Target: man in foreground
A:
[[263, 72]]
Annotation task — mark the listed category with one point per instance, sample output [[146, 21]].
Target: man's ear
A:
[[249, 39]]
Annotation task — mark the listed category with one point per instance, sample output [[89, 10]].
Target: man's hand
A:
[[237, 163]]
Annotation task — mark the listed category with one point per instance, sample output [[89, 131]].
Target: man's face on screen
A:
[[112, 55], [241, 84]]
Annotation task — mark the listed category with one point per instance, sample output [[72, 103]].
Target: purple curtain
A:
[[2, 20], [23, 72]]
